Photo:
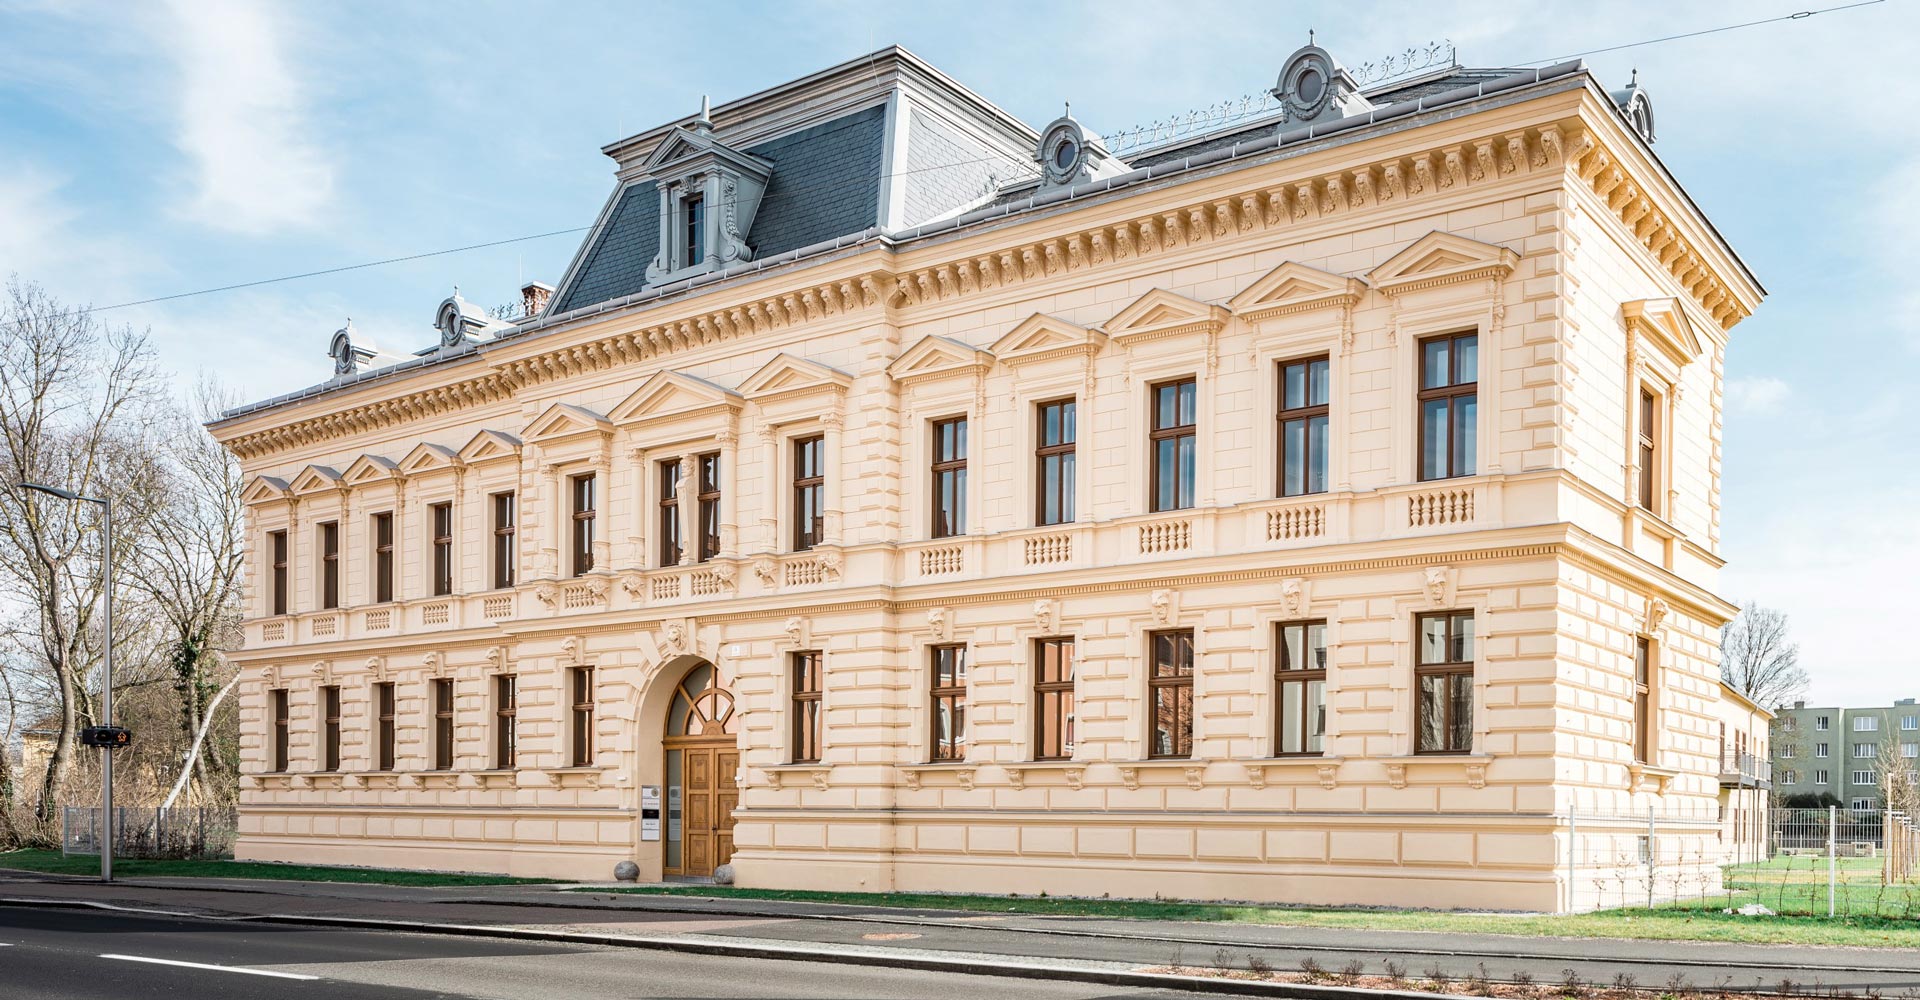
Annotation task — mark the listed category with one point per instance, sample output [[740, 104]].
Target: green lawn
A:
[[1798, 885], [57, 863], [1658, 924]]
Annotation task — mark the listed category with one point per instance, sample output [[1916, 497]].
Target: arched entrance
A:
[[703, 756]]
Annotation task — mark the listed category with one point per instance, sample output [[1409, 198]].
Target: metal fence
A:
[[1804, 862], [151, 833]]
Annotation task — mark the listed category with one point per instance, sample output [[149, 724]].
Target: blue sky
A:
[[157, 148]]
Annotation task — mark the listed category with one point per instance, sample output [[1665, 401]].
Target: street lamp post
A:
[[106, 687]]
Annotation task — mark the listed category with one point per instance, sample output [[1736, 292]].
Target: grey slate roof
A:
[[825, 183]]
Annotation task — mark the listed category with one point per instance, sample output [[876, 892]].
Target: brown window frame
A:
[[947, 478], [329, 565], [278, 713], [1184, 488], [1063, 454], [583, 492], [440, 518], [1643, 703], [809, 491], [1053, 698], [1449, 669], [667, 520], [506, 720], [1454, 392], [580, 679], [330, 727], [947, 690], [1647, 448], [1304, 413], [805, 669], [506, 527], [382, 524], [1285, 674], [1173, 673], [440, 689], [277, 555], [707, 500], [384, 715]]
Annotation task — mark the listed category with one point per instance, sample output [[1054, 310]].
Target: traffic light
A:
[[106, 736]]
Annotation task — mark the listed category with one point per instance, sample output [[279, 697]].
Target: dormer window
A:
[[693, 243], [695, 172]]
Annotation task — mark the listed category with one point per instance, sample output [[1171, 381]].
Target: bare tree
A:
[[1758, 659], [189, 570], [1896, 772], [75, 402]]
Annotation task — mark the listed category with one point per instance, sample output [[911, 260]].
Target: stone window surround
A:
[[1143, 375], [779, 459], [1266, 695], [1475, 315], [1407, 610], [1293, 338], [918, 412], [919, 736], [1029, 392]]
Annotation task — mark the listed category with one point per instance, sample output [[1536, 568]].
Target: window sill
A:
[[1472, 765], [1194, 769], [916, 774], [1648, 777], [780, 776], [577, 776], [1260, 769], [1072, 772]]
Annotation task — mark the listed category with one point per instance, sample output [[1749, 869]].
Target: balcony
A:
[[1744, 770]]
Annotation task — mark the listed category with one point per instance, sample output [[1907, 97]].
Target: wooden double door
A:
[[708, 793]]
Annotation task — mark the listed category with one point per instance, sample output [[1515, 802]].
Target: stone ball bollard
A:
[[626, 871], [723, 875]]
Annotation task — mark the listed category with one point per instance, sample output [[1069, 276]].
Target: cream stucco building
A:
[[1321, 507]]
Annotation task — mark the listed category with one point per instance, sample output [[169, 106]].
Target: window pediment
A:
[[264, 489], [1664, 324], [1438, 259], [1295, 288], [671, 394], [936, 356], [314, 479], [426, 458], [490, 446], [1161, 313], [369, 469], [709, 194], [787, 375], [565, 420], [1041, 337]]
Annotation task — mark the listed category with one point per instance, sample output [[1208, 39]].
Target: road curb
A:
[[878, 959]]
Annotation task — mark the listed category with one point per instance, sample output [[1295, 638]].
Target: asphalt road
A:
[[73, 954]]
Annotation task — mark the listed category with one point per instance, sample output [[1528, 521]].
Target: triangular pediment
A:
[[370, 469], [671, 393], [677, 145], [1664, 323], [565, 420], [425, 458], [787, 374], [1293, 288], [1040, 337], [488, 446], [315, 478], [1161, 313], [934, 356], [1441, 259], [263, 489], [683, 143]]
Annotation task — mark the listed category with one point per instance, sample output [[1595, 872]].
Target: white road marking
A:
[[215, 968]]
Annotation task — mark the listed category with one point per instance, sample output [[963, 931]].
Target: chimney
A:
[[1799, 704], [534, 296]]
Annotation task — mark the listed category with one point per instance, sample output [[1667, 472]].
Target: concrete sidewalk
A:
[[979, 939]]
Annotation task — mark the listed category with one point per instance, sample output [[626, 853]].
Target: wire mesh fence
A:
[[1800, 862], [151, 833]]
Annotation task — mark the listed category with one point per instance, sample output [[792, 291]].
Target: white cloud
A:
[[243, 120], [1757, 393]]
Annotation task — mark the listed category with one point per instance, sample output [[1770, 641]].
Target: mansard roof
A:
[[832, 140]]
